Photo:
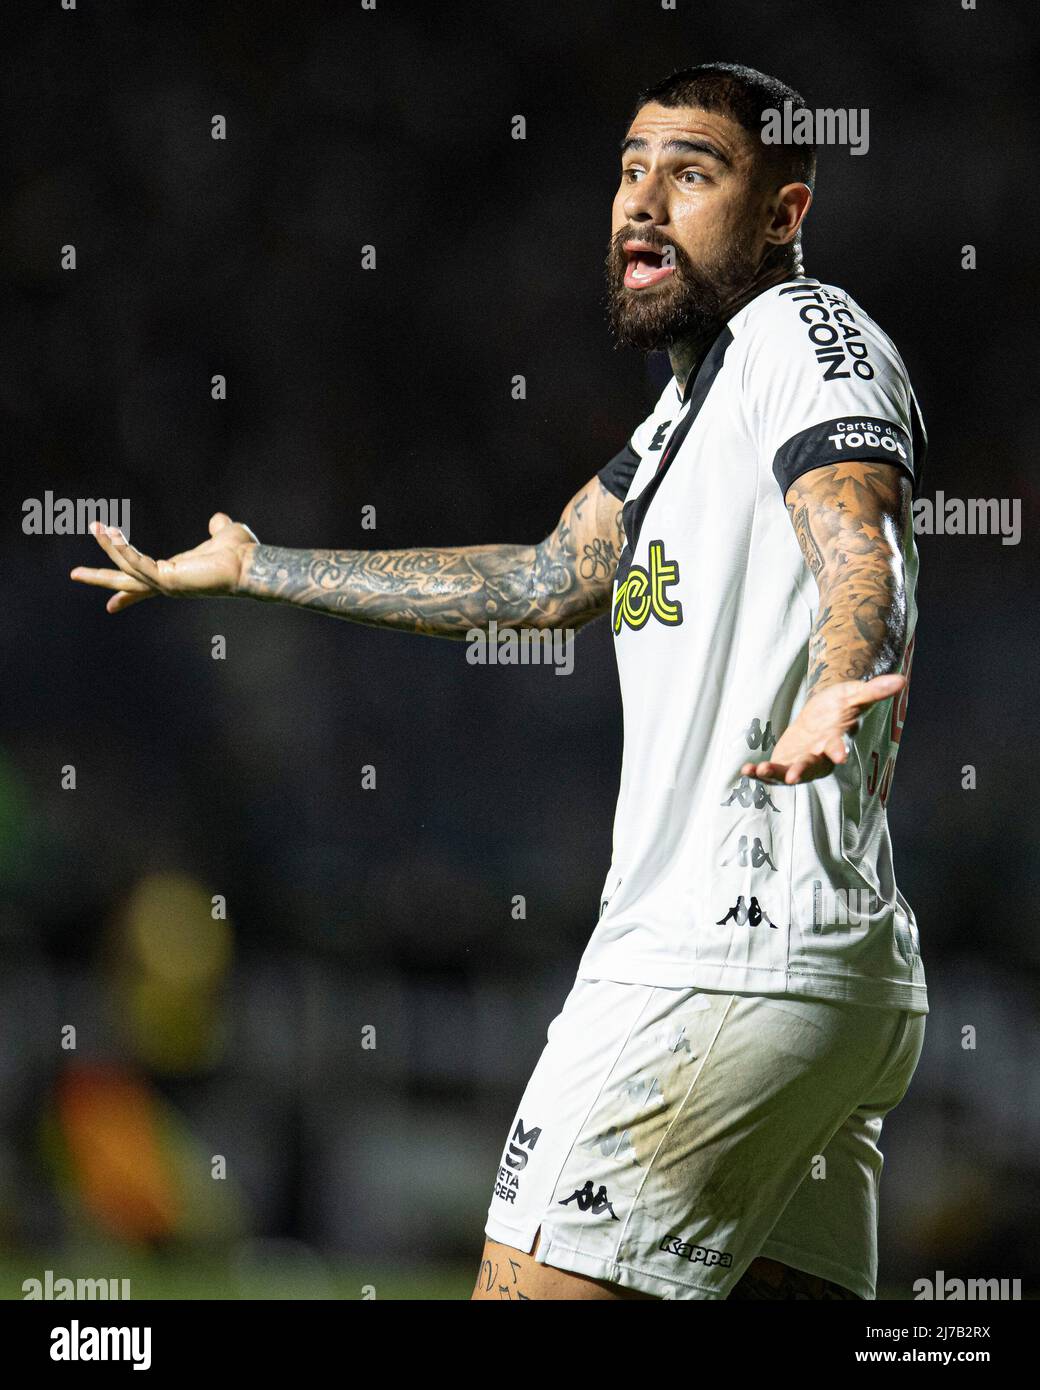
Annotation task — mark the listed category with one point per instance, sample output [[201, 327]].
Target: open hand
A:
[[815, 742], [214, 567]]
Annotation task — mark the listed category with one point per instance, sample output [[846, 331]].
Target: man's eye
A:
[[631, 174], [691, 176]]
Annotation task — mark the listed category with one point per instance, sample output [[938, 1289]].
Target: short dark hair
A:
[[744, 95]]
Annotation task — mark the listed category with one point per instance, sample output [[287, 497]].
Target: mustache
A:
[[690, 302], [648, 238]]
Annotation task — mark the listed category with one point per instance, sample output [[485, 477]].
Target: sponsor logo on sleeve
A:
[[835, 336], [855, 436], [515, 1158]]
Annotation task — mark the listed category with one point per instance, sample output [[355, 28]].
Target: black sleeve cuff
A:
[[849, 439], [616, 476]]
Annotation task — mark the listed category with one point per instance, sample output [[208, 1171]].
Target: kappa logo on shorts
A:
[[696, 1254], [587, 1202]]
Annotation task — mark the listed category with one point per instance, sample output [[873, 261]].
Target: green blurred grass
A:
[[191, 1277]]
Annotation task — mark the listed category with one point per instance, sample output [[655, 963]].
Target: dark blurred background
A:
[[391, 908]]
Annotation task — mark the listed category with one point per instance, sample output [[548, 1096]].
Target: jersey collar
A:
[[730, 327]]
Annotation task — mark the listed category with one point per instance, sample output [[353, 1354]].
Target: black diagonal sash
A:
[[633, 514]]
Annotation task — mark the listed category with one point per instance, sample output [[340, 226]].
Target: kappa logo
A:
[[757, 737], [759, 855], [696, 1254], [641, 594], [615, 1145], [744, 915], [588, 1202], [757, 796]]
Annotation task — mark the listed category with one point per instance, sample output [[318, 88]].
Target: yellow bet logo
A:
[[642, 593]]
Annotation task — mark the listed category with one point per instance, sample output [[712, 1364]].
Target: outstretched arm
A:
[[851, 521], [564, 581]]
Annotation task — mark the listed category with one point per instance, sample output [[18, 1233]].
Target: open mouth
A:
[[644, 266]]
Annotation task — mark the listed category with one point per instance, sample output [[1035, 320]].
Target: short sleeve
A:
[[616, 476], [823, 384], [649, 438]]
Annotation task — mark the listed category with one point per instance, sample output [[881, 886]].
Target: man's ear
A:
[[789, 207]]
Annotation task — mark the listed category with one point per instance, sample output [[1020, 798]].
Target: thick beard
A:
[[690, 305]]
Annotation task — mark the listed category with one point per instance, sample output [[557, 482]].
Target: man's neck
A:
[[687, 354]]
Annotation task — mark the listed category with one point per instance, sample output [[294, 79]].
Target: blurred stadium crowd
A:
[[391, 909]]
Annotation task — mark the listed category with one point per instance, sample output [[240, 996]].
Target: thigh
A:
[[508, 1274], [770, 1281], [584, 1056], [664, 1131], [829, 1227], [775, 1081]]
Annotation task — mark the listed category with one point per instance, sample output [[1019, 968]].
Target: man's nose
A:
[[644, 200]]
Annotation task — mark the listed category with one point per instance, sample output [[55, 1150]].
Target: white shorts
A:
[[668, 1136]]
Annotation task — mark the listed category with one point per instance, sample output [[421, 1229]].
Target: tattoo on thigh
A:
[[514, 1291]]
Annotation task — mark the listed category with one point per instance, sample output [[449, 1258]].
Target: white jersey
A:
[[720, 882]]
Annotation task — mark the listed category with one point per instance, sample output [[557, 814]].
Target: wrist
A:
[[242, 588]]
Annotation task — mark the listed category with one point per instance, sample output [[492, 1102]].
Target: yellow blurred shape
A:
[[173, 933]]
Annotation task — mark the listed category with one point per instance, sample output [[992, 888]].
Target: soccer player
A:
[[704, 1120]]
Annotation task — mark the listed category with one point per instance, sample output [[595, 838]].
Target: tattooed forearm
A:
[[563, 582], [851, 521]]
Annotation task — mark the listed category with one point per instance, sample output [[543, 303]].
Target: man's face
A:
[[690, 181]]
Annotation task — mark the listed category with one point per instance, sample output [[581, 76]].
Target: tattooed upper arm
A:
[[584, 550], [851, 521]]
